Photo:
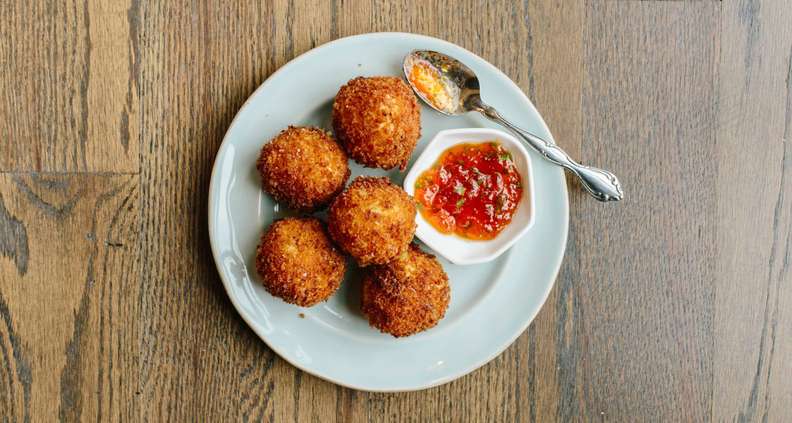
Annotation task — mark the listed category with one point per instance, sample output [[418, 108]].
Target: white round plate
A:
[[491, 303]]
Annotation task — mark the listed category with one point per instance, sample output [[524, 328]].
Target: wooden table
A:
[[675, 304]]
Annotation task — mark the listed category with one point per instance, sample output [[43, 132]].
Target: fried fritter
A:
[[408, 295], [298, 263], [377, 120], [303, 168], [373, 220]]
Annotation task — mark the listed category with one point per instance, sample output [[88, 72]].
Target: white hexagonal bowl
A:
[[460, 250]]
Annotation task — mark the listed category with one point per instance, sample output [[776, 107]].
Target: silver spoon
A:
[[461, 94]]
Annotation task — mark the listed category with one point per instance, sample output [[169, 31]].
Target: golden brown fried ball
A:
[[373, 220], [377, 120], [303, 168], [406, 296], [298, 263]]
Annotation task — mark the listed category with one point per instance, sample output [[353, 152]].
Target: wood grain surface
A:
[[673, 305], [753, 303]]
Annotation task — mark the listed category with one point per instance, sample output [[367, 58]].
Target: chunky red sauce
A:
[[472, 190]]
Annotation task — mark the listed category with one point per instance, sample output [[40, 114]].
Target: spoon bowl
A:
[[458, 80]]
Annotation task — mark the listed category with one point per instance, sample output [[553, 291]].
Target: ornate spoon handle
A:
[[601, 184]]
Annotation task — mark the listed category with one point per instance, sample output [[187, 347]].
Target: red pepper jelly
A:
[[472, 190]]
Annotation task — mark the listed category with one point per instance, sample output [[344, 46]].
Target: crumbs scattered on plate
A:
[[302, 315]]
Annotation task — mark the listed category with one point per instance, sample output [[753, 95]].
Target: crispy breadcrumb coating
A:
[[373, 220], [298, 263], [377, 120], [303, 168], [408, 295]]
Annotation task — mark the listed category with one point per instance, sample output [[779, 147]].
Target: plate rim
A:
[[211, 216]]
